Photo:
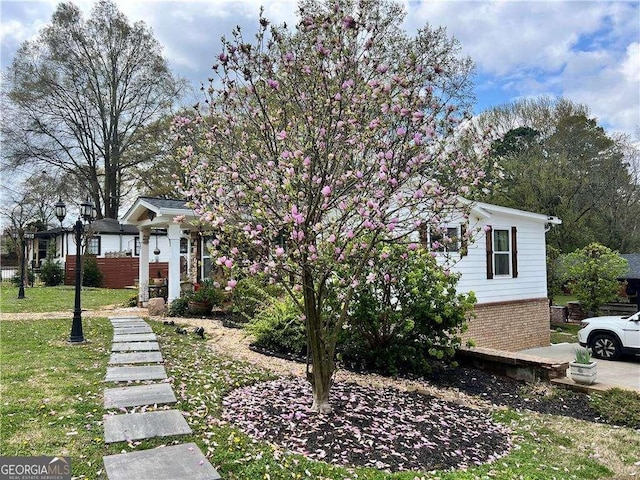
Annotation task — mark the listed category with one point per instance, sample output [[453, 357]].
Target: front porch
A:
[[186, 243]]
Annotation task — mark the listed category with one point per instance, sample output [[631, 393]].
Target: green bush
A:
[[252, 294], [279, 328], [51, 273], [30, 277], [178, 307], [406, 316], [91, 275], [206, 292], [592, 275]]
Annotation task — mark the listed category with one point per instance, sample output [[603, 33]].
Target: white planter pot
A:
[[584, 374]]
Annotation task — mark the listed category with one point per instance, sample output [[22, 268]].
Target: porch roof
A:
[[157, 212]]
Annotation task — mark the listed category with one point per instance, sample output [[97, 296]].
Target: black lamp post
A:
[[26, 235], [87, 213]]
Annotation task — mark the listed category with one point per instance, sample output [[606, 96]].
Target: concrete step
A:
[[138, 426], [184, 461], [156, 394], [135, 357], [131, 374], [134, 337], [135, 347]]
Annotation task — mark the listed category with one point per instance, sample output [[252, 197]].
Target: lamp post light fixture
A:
[[26, 235], [88, 214]]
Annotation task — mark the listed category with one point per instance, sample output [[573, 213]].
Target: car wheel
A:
[[605, 347]]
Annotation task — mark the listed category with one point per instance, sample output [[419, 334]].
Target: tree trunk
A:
[[320, 351]]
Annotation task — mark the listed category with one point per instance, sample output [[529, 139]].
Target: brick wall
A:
[[118, 272], [511, 326]]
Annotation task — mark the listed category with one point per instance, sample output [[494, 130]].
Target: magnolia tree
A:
[[323, 141]]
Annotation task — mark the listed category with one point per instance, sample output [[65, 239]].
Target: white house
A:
[[506, 269], [108, 237], [505, 266]]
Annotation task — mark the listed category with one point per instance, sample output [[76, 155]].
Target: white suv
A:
[[609, 337]]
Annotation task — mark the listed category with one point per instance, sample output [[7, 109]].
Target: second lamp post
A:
[[87, 213]]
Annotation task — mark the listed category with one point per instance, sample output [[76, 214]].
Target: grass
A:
[[52, 405], [563, 299], [621, 406], [565, 333], [59, 299]]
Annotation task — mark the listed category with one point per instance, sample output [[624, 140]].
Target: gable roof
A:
[[634, 264], [157, 212], [486, 210]]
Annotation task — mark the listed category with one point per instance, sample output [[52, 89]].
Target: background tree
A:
[[323, 142], [78, 95], [592, 274], [159, 169], [561, 162]]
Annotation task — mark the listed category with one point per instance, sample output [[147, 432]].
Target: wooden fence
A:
[[118, 272]]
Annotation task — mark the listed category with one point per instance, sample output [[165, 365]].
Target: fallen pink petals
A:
[[385, 428]]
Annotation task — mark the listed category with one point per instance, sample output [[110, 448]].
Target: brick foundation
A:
[[510, 326]]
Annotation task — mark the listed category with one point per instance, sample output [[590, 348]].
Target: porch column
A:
[[174, 232], [143, 268]]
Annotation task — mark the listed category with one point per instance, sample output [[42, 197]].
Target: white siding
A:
[[532, 277]]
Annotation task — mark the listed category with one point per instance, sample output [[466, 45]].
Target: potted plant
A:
[[583, 368], [203, 298]]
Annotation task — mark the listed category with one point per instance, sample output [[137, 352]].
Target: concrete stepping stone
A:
[[135, 347], [185, 461], [130, 374], [130, 330], [135, 357], [124, 318], [134, 337], [138, 426], [136, 396], [129, 325]]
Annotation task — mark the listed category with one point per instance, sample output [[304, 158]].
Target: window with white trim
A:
[[501, 252]]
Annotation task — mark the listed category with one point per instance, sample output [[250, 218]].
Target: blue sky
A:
[[586, 51]]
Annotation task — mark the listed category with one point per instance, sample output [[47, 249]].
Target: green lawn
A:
[[565, 333], [563, 299], [52, 405], [59, 299]]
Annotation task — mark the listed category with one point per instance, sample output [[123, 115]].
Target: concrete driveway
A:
[[624, 372]]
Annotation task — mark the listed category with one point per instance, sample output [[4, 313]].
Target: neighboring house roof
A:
[[109, 226], [634, 264]]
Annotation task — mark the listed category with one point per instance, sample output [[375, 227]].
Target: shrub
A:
[[91, 274], [592, 273], [405, 316], [279, 328], [252, 294], [206, 292], [30, 277], [178, 307], [51, 273]]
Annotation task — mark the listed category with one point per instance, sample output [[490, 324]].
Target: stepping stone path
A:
[[136, 356]]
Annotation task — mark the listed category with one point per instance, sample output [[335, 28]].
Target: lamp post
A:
[[87, 213], [26, 235]]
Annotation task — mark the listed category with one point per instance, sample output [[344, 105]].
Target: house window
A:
[[136, 247], [93, 246], [447, 240], [502, 252]]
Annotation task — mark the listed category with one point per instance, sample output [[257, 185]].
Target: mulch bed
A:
[[517, 395], [386, 429]]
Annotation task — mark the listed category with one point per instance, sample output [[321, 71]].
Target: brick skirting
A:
[[510, 326]]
